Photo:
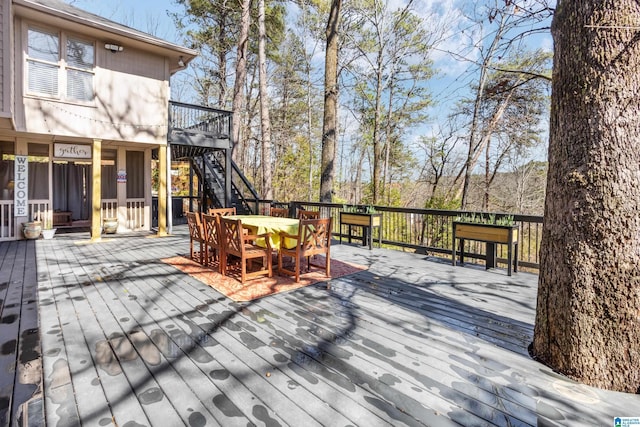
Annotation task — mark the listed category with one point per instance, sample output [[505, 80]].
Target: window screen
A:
[[43, 46], [44, 65], [43, 78], [109, 175], [135, 174], [79, 85], [80, 57], [44, 53]]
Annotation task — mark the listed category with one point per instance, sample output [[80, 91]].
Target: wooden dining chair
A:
[[314, 238], [211, 228], [222, 211], [302, 214], [236, 242], [280, 212], [196, 237]]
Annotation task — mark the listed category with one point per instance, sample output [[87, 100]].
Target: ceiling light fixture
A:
[[181, 61]]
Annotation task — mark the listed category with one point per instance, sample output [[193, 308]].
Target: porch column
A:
[[96, 197], [162, 190], [169, 189]]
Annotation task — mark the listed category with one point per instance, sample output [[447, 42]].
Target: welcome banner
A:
[[21, 188]]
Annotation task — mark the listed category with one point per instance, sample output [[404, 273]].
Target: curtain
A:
[[60, 187], [135, 174], [109, 182], [38, 180], [73, 189], [75, 193], [6, 179]]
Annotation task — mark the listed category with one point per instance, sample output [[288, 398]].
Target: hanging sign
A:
[[21, 186], [122, 175], [72, 151]]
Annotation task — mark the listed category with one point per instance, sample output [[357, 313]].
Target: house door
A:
[[72, 189]]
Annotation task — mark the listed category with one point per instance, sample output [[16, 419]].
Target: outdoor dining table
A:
[[260, 224]]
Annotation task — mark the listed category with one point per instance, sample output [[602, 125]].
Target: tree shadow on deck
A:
[[408, 341], [479, 323]]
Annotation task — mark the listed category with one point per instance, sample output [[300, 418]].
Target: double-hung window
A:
[[65, 73], [43, 63], [79, 70]]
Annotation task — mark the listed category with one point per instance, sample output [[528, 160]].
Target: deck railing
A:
[[197, 118], [7, 225], [39, 210], [136, 213], [429, 231], [109, 208]]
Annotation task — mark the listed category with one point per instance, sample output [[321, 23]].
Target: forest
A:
[[438, 105]]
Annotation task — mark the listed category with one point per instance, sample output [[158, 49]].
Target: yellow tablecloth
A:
[[259, 224]]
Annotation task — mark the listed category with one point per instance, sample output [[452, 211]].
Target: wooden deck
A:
[[129, 340]]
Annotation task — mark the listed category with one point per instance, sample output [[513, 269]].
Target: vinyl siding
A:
[[131, 97], [3, 53]]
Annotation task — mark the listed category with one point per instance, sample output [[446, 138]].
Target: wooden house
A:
[[84, 110]]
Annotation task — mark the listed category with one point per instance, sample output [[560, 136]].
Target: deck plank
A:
[[291, 342], [375, 364], [80, 327], [224, 317], [60, 405], [10, 309], [20, 347], [225, 361], [420, 350], [121, 356], [233, 318], [156, 352], [28, 381], [412, 341]]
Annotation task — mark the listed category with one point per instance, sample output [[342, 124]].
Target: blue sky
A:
[[447, 87], [149, 16]]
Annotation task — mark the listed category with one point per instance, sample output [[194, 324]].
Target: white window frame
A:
[[33, 60], [63, 67]]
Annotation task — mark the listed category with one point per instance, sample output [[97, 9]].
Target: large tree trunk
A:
[[588, 314], [330, 121], [265, 121], [241, 78]]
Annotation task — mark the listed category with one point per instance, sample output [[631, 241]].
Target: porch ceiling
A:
[[183, 152]]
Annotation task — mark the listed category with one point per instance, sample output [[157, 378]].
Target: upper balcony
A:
[[194, 129]]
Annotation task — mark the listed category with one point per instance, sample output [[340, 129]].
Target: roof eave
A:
[[118, 31]]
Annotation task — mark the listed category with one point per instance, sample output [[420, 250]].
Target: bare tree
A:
[[439, 152], [511, 21], [390, 90]]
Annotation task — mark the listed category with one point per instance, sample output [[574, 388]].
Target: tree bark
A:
[[265, 121], [330, 121], [588, 310], [241, 77]]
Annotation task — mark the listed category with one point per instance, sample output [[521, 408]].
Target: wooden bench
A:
[[62, 219]]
